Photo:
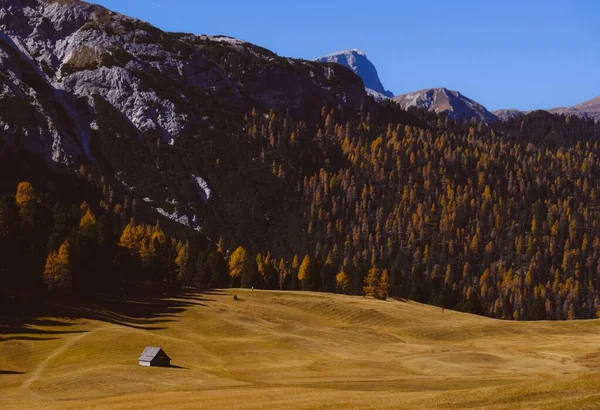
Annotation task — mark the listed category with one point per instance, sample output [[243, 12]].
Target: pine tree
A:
[[306, 274], [343, 283], [237, 264], [131, 237], [87, 224], [27, 202], [371, 282], [57, 273], [25, 193], [383, 288], [182, 262], [218, 269]]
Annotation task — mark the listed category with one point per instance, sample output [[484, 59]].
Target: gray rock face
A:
[[357, 61], [59, 53], [442, 100], [508, 114], [587, 109]]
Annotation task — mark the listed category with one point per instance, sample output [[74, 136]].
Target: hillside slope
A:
[[297, 350]]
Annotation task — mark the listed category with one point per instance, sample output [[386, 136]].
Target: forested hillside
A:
[[218, 163], [498, 220]]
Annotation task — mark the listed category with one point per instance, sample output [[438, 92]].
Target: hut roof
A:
[[150, 353]]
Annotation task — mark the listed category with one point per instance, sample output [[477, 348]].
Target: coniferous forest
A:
[[496, 219]]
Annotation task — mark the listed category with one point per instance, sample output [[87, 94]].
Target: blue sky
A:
[[504, 54]]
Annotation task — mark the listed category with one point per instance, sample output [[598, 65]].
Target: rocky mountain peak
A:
[[443, 100], [357, 61]]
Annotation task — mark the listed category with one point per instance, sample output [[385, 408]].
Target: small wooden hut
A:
[[154, 356]]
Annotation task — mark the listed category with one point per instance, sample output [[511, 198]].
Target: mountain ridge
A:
[[587, 109]]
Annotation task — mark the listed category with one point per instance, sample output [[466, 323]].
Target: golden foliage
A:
[[88, 220], [304, 267], [237, 262], [57, 274], [25, 193], [181, 260], [342, 280], [371, 282]]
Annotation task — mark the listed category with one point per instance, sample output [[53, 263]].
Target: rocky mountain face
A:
[[83, 85], [358, 62], [587, 109], [508, 114], [270, 81], [441, 100]]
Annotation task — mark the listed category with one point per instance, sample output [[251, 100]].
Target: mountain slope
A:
[[587, 109], [270, 81], [442, 100], [83, 85], [358, 62]]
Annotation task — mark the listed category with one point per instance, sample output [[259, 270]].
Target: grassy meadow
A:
[[295, 350]]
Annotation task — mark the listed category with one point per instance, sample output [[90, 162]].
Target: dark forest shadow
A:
[[9, 338], [148, 306]]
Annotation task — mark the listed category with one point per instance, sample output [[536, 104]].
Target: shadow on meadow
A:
[[145, 306]]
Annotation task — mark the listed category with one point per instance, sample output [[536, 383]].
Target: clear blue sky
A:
[[502, 53]]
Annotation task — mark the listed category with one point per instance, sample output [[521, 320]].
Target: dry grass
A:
[[305, 350]]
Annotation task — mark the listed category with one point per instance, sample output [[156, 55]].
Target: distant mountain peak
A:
[[356, 51], [443, 100], [587, 109], [508, 114], [356, 60]]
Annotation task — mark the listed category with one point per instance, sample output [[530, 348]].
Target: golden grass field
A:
[[301, 350]]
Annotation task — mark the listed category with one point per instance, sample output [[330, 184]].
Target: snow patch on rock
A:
[[203, 188], [180, 219]]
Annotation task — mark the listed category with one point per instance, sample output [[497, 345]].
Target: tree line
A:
[[495, 219]]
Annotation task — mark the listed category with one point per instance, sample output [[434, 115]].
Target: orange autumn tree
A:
[[182, 259], [383, 287], [342, 280], [25, 193], [371, 282], [237, 264], [57, 273], [24, 197]]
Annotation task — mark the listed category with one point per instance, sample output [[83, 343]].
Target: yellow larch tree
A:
[[57, 274], [342, 280], [237, 262]]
